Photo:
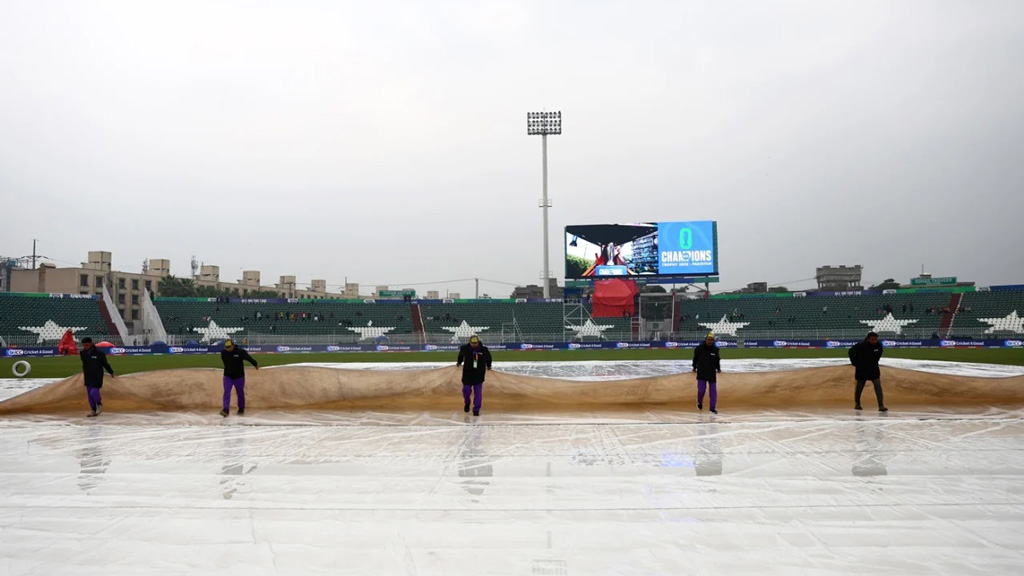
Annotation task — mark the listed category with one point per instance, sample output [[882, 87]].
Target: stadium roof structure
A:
[[614, 233]]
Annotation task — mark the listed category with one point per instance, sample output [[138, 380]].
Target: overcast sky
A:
[[386, 142]]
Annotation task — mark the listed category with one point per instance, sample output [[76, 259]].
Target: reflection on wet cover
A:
[[235, 469], [92, 459], [474, 465], [708, 460], [869, 457]]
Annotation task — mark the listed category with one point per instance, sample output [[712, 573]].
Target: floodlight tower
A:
[[544, 124]]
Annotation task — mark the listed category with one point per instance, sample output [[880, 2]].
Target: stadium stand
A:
[[536, 321], [38, 319], [33, 319], [345, 320], [991, 313], [917, 315]]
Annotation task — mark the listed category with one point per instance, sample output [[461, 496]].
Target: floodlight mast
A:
[[544, 124]]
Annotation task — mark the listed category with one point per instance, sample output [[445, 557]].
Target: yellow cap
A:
[[473, 339], [228, 343], [710, 335]]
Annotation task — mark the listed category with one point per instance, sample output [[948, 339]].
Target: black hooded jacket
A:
[[234, 366], [94, 362], [707, 362], [474, 375], [865, 357]]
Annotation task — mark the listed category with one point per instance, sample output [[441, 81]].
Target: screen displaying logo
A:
[[686, 248], [678, 249]]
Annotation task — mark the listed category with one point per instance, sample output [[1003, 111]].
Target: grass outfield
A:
[[63, 367]]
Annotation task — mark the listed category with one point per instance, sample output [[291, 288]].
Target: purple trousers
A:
[[701, 386], [478, 395], [94, 397], [239, 385]]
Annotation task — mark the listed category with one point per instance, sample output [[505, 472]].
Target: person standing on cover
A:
[[707, 364], [475, 360], [865, 356], [94, 362], [234, 375]]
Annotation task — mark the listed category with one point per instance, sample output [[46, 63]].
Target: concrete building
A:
[[535, 291], [839, 278], [126, 288]]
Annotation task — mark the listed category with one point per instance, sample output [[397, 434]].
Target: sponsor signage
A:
[[529, 346], [585, 345], [399, 294], [938, 281], [129, 350], [841, 343], [346, 348], [791, 344], [29, 352], [397, 348], [962, 343]]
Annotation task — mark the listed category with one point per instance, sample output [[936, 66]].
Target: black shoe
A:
[[713, 411], [883, 409], [224, 413], [466, 408], [857, 407], [241, 411], [700, 406], [476, 412]]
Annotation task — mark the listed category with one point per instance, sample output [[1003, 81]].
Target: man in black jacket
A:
[[475, 360], [707, 364], [234, 374], [94, 362], [865, 356]]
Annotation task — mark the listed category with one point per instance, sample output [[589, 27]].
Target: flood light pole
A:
[[544, 124]]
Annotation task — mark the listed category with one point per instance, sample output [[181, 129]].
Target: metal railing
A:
[[25, 341]]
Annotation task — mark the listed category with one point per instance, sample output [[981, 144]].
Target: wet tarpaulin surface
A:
[[652, 492]]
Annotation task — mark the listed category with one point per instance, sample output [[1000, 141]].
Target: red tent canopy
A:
[[614, 298]]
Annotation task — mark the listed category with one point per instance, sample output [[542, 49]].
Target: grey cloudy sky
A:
[[385, 141]]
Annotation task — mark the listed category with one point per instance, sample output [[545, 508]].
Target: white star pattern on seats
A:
[[464, 330], [888, 324], [214, 332], [724, 326], [50, 330], [1012, 322], [371, 331], [589, 328]]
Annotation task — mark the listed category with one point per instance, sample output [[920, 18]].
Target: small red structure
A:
[[67, 346], [614, 298]]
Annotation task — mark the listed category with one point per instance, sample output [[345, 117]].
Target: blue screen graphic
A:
[[686, 248]]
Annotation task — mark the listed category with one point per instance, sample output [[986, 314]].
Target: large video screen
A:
[[676, 249]]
